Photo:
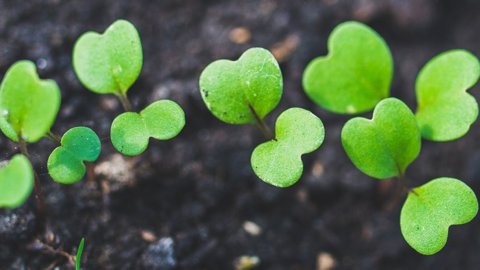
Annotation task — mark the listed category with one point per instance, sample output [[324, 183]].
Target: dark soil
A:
[[184, 203]]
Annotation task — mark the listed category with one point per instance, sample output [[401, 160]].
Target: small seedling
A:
[[384, 146], [432, 208], [244, 92], [161, 120], [16, 182], [110, 63], [78, 258], [445, 110], [66, 162], [355, 75], [28, 105], [279, 161]]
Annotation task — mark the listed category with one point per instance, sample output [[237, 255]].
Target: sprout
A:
[[355, 75], [78, 257]]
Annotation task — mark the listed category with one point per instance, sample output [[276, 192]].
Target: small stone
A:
[[246, 262], [148, 236], [160, 255], [325, 261], [284, 49], [240, 35], [252, 228], [317, 169]]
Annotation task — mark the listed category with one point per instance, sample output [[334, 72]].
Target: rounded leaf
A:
[[355, 75], [445, 110], [279, 161], [432, 208], [110, 62], [237, 92], [161, 120], [66, 162], [16, 182], [28, 105], [384, 146]]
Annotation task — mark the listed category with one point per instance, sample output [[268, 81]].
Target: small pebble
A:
[[160, 255], [284, 49], [325, 261], [148, 236], [252, 228], [246, 262], [240, 35]]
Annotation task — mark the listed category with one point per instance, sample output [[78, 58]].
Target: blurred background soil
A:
[[194, 202]]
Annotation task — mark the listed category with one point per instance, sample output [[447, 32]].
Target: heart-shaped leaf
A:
[[28, 105], [110, 62], [239, 92], [279, 161], [66, 163], [161, 120], [445, 110], [432, 208], [355, 75], [16, 182], [384, 146]]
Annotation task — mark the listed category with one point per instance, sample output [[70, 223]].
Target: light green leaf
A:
[[66, 163], [78, 257], [384, 146], [110, 62], [234, 91], [279, 161], [161, 120], [432, 208], [445, 110], [16, 182], [28, 105], [355, 75]]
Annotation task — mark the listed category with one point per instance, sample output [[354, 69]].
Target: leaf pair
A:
[[110, 63], [357, 73], [244, 92]]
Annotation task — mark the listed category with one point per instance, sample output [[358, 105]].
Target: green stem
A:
[[127, 106], [54, 137], [260, 123]]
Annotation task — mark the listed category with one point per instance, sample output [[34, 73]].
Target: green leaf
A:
[[16, 182], [78, 258], [111, 62], [432, 208], [445, 110], [237, 92], [161, 120], [355, 75], [28, 105], [384, 146], [279, 161], [66, 163]]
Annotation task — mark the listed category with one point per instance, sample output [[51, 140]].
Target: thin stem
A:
[[54, 137], [37, 187], [266, 131], [127, 106], [90, 172], [49, 249]]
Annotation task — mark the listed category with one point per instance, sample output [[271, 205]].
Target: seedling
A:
[[161, 120], [66, 163], [78, 258], [355, 75], [28, 107], [16, 181], [445, 110], [279, 161], [110, 63], [244, 92]]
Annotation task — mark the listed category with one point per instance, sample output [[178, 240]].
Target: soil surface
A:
[[193, 202]]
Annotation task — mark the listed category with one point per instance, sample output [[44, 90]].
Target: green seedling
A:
[[111, 62], [243, 91], [247, 90], [384, 146], [78, 257], [28, 105], [66, 162], [432, 208], [445, 110], [16, 182], [279, 161], [161, 120], [355, 75]]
